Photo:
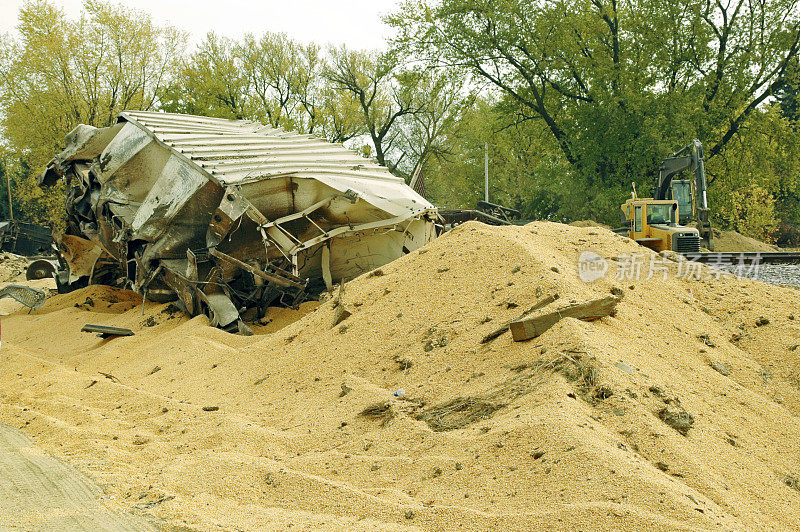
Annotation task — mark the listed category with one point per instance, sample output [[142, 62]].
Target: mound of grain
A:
[[588, 223], [733, 241], [12, 267], [397, 415]]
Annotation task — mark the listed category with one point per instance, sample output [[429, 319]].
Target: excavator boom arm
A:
[[691, 158], [688, 158]]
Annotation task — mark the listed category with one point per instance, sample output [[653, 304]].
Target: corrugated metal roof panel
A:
[[244, 142], [237, 150]]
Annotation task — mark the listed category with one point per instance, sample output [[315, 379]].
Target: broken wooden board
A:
[[533, 326], [536, 306], [104, 331]]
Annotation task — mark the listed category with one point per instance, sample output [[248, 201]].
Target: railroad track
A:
[[746, 257]]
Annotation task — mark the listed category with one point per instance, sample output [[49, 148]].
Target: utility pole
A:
[[485, 172], [10, 208]]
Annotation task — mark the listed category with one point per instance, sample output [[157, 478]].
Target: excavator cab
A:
[[682, 193]]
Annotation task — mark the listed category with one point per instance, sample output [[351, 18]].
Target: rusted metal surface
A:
[[227, 215], [106, 331]]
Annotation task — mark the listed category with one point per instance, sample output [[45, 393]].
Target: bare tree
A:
[[383, 93]]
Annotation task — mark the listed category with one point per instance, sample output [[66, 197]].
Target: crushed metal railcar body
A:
[[226, 215]]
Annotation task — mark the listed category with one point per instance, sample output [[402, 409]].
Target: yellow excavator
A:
[[657, 222], [654, 223]]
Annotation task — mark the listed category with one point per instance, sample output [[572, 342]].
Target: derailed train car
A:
[[226, 215]]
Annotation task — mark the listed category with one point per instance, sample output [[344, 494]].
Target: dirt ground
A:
[[38, 492], [678, 413]]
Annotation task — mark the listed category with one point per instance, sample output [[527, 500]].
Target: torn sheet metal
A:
[[228, 216], [28, 296]]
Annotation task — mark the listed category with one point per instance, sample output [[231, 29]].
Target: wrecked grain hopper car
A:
[[227, 216]]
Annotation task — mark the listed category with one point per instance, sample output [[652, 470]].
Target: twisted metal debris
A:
[[227, 216]]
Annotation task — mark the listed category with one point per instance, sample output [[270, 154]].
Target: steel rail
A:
[[746, 257]]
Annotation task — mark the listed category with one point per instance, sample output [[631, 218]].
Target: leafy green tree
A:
[[760, 167], [787, 93], [272, 79], [526, 169], [60, 73], [339, 115], [280, 72], [29, 201], [5, 213], [617, 85], [210, 82]]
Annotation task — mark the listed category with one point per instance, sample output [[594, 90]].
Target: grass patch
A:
[[381, 411], [462, 411], [676, 417], [458, 413], [580, 370], [792, 482]]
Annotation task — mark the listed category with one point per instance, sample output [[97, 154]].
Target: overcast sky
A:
[[356, 23]]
